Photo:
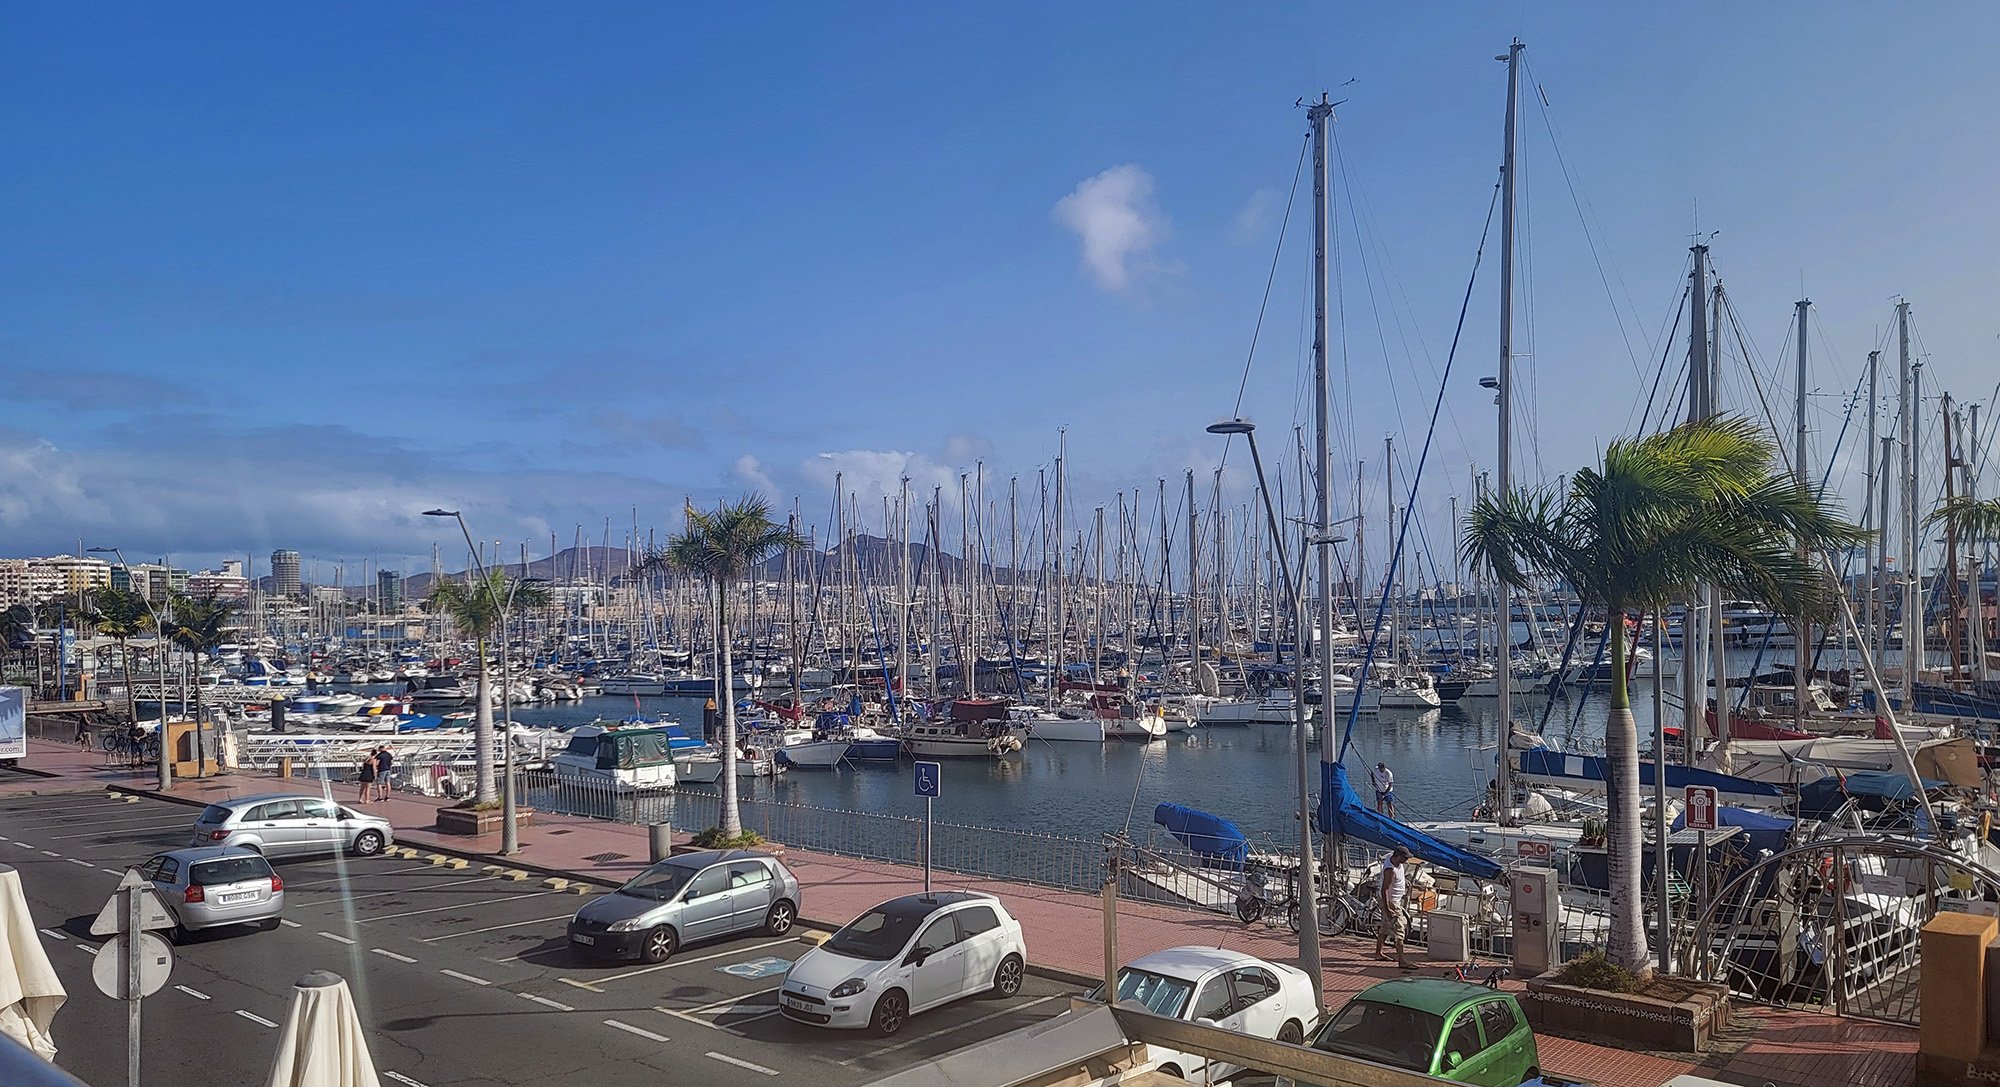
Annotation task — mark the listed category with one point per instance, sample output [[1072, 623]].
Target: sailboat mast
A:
[[1912, 622], [1321, 117], [1691, 696], [1801, 632], [1194, 586], [903, 602], [1503, 628], [1873, 552]]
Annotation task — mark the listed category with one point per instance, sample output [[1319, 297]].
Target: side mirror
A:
[[1453, 1059], [917, 956]]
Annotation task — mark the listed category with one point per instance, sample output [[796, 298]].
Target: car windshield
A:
[[214, 813], [1385, 1033], [878, 934], [1161, 994], [660, 882], [229, 870]]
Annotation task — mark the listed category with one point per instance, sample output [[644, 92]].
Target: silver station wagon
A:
[[684, 899], [213, 887], [291, 826]]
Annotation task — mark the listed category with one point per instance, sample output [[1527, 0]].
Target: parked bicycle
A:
[[1258, 901], [120, 746]]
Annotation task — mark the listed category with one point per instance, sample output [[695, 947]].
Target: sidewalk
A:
[[1064, 931]]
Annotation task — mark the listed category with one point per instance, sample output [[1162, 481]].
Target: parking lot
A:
[[464, 976]]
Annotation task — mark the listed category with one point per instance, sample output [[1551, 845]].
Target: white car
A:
[[905, 956], [1228, 989]]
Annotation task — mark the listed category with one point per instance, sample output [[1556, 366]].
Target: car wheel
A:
[[1007, 976], [180, 934], [779, 920], [368, 843], [269, 924], [660, 944], [1173, 1070], [1292, 1033], [892, 1010]]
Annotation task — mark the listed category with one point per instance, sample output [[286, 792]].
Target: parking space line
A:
[[731, 1000], [55, 934], [102, 831], [289, 923], [496, 928], [391, 955], [580, 984], [86, 948], [403, 891], [453, 906], [545, 1001], [690, 962], [403, 1079], [630, 1029], [727, 1059], [81, 861], [24, 845], [256, 1018], [193, 993], [349, 878], [51, 853], [336, 937], [113, 871], [920, 1039], [464, 977]]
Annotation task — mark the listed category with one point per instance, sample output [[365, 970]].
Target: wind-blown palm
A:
[[476, 608], [1703, 503], [17, 630], [725, 546], [1971, 518], [198, 625], [120, 614]]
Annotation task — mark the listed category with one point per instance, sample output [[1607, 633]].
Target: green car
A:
[[1448, 1029]]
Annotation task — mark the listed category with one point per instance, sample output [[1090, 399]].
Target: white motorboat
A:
[[1056, 727], [1409, 691], [1273, 709], [629, 757], [639, 683]]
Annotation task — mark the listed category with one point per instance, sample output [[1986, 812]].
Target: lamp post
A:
[[1308, 881], [165, 780], [510, 838]]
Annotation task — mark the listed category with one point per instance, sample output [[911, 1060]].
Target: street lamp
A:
[[510, 836], [165, 780], [1308, 881]]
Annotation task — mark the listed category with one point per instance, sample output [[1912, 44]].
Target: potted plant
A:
[[473, 818], [1595, 997]]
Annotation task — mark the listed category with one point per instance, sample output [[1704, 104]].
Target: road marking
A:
[[288, 923], [690, 962], [496, 928], [732, 1000], [391, 955], [630, 1029], [727, 1059], [103, 830], [464, 977], [256, 1018], [86, 947], [24, 845], [453, 906], [55, 934], [349, 878], [580, 984], [336, 937], [406, 890], [113, 871], [78, 860], [545, 1002], [193, 993], [948, 1030], [51, 853], [403, 1079]]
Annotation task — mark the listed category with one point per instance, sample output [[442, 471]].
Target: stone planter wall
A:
[[471, 823], [1640, 1022]]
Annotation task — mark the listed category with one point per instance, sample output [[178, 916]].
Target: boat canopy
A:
[[1874, 788], [1208, 835], [1762, 829], [1549, 763], [1342, 812]]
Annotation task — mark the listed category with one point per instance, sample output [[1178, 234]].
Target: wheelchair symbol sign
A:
[[930, 779], [756, 968]]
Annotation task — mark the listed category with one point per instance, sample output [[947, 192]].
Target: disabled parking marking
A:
[[756, 968], [671, 963]]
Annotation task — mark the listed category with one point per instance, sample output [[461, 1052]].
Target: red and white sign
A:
[[1702, 802], [1532, 850]]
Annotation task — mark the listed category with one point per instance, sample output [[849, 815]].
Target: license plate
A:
[[240, 896], [793, 1003], [578, 938]]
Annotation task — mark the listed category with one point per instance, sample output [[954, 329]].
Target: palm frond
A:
[[1972, 518]]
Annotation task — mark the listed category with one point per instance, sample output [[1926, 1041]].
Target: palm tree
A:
[[198, 625], [1703, 503], [17, 630], [478, 608], [725, 546], [1976, 520], [121, 614]]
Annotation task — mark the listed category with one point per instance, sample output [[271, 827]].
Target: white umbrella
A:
[[322, 1044], [30, 992]]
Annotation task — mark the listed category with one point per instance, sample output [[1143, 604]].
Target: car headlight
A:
[[849, 987], [630, 924]]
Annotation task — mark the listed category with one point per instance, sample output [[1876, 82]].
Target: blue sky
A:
[[285, 277]]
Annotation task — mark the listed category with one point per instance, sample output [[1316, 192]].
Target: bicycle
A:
[[1348, 907], [1256, 903]]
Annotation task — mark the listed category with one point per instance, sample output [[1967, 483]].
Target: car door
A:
[[749, 894], [1504, 1056], [979, 928], [1256, 1004], [940, 975], [1459, 1047], [705, 905], [318, 825], [275, 823]]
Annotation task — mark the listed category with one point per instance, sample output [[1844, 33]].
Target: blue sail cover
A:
[[1342, 812], [1209, 835], [1544, 762]]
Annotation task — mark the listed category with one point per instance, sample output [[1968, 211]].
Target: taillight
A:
[[194, 894], [217, 835], [277, 884]]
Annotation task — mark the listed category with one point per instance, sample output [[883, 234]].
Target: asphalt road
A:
[[462, 977]]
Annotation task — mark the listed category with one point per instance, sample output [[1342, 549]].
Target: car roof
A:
[[1435, 995], [923, 905], [704, 858], [207, 853], [247, 801], [1194, 960]]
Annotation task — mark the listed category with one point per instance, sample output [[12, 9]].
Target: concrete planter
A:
[[772, 848], [1683, 1024], [465, 821]]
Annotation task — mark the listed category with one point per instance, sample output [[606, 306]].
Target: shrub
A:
[[713, 838], [1591, 970]]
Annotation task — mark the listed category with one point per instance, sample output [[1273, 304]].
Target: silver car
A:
[[287, 826], [685, 899], [213, 886]]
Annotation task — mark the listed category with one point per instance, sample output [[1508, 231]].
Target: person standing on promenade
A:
[[368, 778], [1392, 890], [385, 761], [1385, 789]]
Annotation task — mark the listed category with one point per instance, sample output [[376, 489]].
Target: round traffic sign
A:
[[156, 961]]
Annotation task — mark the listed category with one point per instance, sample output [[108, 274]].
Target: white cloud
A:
[[871, 474], [1255, 216], [749, 471], [1117, 221]]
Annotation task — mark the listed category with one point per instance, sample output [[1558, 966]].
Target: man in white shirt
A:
[[1385, 789], [1392, 891]]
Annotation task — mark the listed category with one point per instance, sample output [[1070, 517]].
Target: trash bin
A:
[[660, 839]]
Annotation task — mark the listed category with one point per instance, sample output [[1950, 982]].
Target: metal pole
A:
[[1691, 658], [1912, 602], [1871, 547], [928, 837], [1321, 116], [510, 835], [128, 948], [1503, 675], [1662, 867], [1801, 626]]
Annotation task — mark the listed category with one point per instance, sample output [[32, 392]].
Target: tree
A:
[[1703, 503], [17, 630], [479, 609], [120, 614], [725, 546], [198, 625]]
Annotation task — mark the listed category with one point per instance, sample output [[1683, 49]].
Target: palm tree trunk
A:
[[1626, 941], [486, 789], [725, 685]]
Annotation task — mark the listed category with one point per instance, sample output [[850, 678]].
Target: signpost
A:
[[134, 963], [1702, 804], [929, 784]]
